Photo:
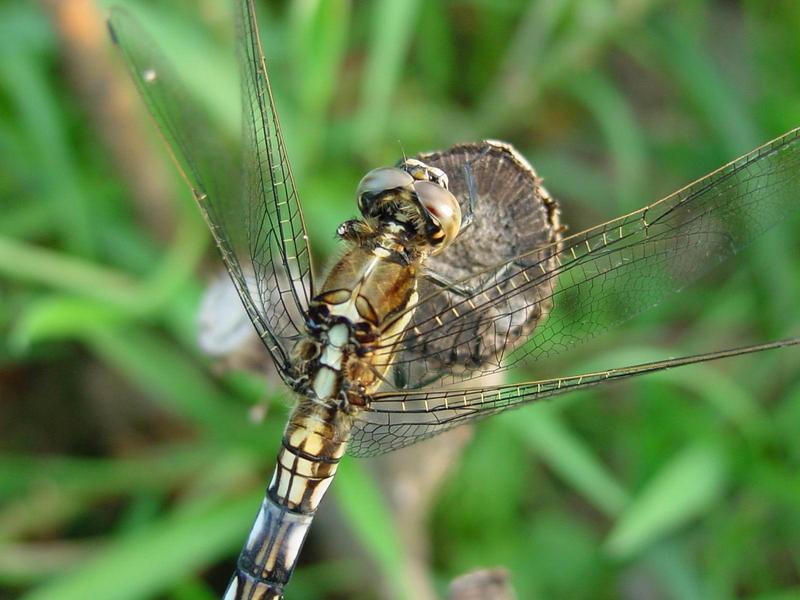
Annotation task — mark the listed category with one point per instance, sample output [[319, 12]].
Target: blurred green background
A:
[[129, 468]]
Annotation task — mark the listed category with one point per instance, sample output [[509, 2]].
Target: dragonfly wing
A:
[[512, 216], [248, 220], [397, 419], [276, 233], [598, 278]]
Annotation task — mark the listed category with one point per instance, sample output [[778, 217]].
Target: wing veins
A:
[[396, 419], [258, 84], [681, 198], [142, 56]]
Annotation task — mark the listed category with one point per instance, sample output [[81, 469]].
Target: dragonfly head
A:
[[414, 196]]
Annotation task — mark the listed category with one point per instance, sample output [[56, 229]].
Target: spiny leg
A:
[[472, 194], [468, 291]]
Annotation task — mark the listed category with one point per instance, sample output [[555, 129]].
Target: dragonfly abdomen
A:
[[313, 443]]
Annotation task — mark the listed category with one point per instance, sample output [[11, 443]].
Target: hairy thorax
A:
[[369, 294]]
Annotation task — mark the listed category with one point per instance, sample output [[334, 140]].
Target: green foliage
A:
[[129, 470]]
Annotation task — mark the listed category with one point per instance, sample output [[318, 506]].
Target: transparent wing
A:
[[247, 197], [276, 234], [397, 419], [595, 279]]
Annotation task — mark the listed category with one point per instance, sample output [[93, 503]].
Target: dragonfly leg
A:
[[448, 285], [467, 291], [472, 196]]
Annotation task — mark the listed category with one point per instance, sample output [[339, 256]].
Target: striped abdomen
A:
[[313, 442]]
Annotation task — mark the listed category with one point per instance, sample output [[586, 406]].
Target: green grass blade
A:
[[157, 557], [683, 490]]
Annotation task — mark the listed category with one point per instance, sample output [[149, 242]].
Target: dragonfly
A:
[[458, 267]]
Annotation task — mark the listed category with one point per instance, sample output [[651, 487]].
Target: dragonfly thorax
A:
[[365, 298]]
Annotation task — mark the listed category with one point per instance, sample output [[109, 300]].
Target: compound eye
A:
[[444, 209], [381, 180]]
